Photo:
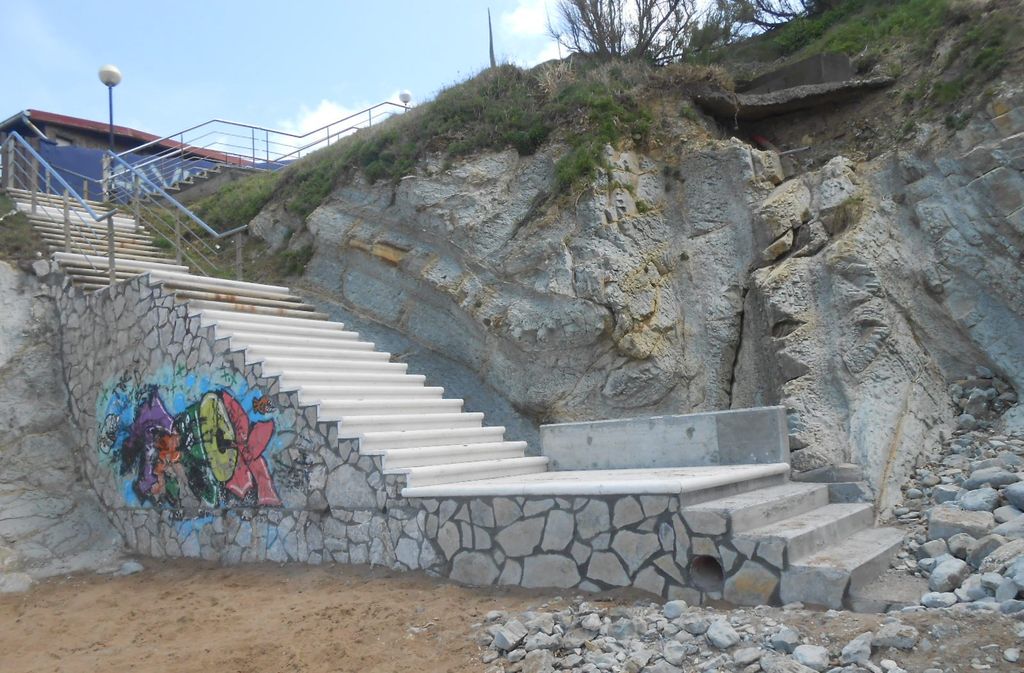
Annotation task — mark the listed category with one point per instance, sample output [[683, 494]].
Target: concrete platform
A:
[[663, 481]]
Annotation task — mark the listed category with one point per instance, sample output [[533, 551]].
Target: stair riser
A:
[[275, 363], [373, 392], [327, 354], [247, 309], [214, 291], [347, 378], [95, 237], [831, 533], [233, 326], [374, 445], [257, 320], [384, 407], [356, 428], [715, 492], [415, 480], [393, 462], [341, 341], [237, 285], [747, 519], [293, 304], [99, 261]]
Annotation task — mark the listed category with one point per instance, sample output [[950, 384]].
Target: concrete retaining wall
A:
[[735, 437]]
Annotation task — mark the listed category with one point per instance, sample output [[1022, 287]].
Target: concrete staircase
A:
[[417, 432], [820, 552]]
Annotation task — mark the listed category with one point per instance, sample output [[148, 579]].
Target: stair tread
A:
[[758, 497], [679, 480], [852, 552], [806, 522], [471, 466]]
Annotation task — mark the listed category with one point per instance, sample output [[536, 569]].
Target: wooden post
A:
[[111, 263], [85, 190], [67, 221], [48, 183]]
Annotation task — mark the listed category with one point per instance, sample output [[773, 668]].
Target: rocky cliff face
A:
[[50, 520], [704, 278]]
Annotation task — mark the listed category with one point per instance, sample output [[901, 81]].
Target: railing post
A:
[[8, 163], [85, 189], [108, 179], [238, 256], [111, 263], [48, 183], [67, 221], [253, 130], [34, 179], [177, 239], [136, 189]]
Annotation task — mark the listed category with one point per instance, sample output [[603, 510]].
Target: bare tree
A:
[[768, 14], [654, 29]]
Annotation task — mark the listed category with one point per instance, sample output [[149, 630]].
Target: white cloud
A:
[[326, 112], [548, 51], [309, 119], [528, 19]]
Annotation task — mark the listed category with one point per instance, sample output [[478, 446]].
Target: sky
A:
[[286, 65]]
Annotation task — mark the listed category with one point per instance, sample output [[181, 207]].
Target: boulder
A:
[[945, 522], [948, 575]]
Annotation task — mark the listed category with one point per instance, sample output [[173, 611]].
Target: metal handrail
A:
[[262, 128], [14, 137], [155, 188]]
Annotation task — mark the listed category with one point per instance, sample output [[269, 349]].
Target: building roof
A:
[[120, 132]]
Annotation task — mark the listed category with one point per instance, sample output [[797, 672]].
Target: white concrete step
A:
[[82, 235], [337, 366], [383, 406], [25, 195], [200, 288], [302, 377], [198, 305], [807, 533], [452, 453], [371, 392], [343, 351], [346, 408], [827, 577], [287, 303], [373, 443], [745, 511], [81, 229], [55, 213], [434, 475], [329, 331], [691, 484], [354, 426], [324, 339], [218, 314], [96, 261], [222, 282]]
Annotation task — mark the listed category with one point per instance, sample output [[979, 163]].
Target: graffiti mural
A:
[[189, 442]]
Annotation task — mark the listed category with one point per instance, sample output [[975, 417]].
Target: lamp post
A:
[[406, 97], [111, 77]]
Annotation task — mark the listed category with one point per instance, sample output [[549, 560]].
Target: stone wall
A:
[[652, 543], [195, 453]]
